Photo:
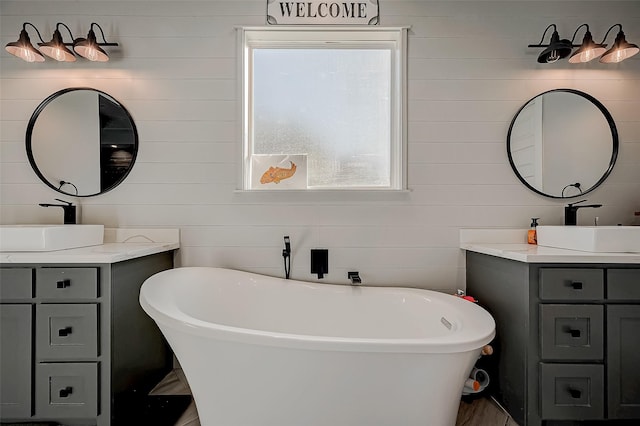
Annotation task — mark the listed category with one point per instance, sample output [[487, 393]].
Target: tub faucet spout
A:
[[354, 277]]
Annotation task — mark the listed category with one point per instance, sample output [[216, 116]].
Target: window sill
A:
[[328, 195]]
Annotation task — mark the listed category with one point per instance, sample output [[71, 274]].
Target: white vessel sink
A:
[[49, 237], [614, 239]]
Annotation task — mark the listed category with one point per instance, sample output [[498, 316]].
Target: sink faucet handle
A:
[[571, 205], [577, 202], [68, 203]]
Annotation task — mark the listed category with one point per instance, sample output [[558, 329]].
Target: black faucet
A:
[[571, 211], [286, 254], [68, 208], [320, 262]]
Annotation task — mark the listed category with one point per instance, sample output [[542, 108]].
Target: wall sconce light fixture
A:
[[57, 49], [90, 48], [556, 49], [620, 50], [588, 50], [23, 48]]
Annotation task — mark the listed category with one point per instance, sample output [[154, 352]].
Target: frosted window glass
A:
[[334, 105]]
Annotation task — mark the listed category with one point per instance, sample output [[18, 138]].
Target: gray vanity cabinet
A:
[[15, 344], [567, 348], [15, 360], [623, 334], [75, 346]]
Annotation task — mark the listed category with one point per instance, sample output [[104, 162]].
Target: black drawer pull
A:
[[573, 332], [575, 393], [576, 285], [64, 393], [63, 283], [64, 332]]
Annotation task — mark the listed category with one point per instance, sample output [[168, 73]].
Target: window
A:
[[323, 108]]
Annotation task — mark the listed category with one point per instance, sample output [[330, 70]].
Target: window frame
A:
[[250, 38]]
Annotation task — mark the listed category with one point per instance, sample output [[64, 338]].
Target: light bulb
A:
[[553, 56], [586, 56], [27, 55], [59, 55], [92, 54], [619, 56]]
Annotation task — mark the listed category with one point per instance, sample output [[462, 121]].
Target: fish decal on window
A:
[[276, 174]]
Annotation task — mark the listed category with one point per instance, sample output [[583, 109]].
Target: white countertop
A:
[[511, 244], [119, 245]]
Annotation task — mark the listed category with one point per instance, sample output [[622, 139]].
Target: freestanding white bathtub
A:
[[264, 351]]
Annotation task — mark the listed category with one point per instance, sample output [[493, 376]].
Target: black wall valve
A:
[[320, 262]]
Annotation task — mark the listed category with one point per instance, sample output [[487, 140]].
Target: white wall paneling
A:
[[176, 72]]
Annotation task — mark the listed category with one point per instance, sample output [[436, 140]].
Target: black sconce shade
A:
[[56, 48], [556, 49], [620, 50], [89, 47], [588, 50], [23, 48]]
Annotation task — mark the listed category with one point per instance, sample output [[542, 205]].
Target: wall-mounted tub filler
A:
[[354, 277]]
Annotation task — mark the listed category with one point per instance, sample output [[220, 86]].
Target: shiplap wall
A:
[[469, 72]]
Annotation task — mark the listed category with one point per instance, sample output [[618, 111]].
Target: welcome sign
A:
[[364, 12]]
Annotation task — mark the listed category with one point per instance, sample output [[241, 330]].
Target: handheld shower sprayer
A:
[[287, 247], [286, 254]]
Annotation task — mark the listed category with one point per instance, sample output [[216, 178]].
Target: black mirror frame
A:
[[32, 122], [614, 136]]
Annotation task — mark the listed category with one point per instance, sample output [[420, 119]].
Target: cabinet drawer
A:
[[67, 390], [623, 284], [67, 283], [571, 284], [66, 331], [572, 391], [572, 332], [15, 283]]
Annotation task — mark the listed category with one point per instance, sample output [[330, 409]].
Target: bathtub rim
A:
[[458, 341]]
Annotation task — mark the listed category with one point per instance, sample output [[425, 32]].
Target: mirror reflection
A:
[[562, 143], [81, 142]]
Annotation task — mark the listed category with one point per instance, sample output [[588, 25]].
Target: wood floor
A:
[[483, 412], [478, 412]]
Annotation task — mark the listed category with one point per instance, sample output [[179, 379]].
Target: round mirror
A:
[[81, 142], [562, 143]]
